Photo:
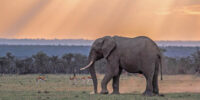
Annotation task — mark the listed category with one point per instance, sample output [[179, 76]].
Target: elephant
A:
[[134, 55]]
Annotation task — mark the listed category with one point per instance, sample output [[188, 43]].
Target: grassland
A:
[[59, 87]]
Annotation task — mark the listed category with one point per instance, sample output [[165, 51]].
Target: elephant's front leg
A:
[[112, 69], [116, 83], [104, 83]]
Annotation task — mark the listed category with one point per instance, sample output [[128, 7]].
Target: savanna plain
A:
[[60, 87]]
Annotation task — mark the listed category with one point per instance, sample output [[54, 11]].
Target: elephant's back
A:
[[137, 47], [149, 43], [140, 42], [148, 46]]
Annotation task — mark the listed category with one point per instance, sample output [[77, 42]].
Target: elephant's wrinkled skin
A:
[[135, 55]]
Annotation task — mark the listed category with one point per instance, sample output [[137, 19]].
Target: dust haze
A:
[[170, 84]]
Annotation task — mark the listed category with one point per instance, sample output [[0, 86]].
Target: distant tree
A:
[[68, 57], [185, 66], [196, 60], [25, 66], [54, 64], [11, 63], [4, 63], [20, 66], [41, 62], [78, 62]]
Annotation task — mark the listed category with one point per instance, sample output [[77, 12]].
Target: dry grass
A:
[[59, 86]]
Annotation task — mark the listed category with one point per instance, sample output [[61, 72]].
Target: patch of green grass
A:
[[58, 87], [82, 95]]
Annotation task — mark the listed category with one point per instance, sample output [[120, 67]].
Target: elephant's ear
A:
[[108, 46]]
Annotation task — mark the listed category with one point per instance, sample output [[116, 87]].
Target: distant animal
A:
[[89, 77], [135, 55], [86, 79], [42, 78], [73, 79]]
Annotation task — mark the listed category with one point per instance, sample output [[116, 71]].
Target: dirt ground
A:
[[169, 84]]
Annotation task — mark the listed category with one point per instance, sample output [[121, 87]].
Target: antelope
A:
[[42, 78], [83, 78], [89, 77], [74, 79], [86, 80]]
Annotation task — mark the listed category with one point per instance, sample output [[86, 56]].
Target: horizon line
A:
[[83, 39]]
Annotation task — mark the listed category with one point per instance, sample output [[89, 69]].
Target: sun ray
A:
[[17, 25], [90, 19]]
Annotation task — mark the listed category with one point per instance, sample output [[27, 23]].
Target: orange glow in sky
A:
[[90, 19]]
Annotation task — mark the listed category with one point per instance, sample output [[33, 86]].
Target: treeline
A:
[[184, 65], [42, 63], [71, 63]]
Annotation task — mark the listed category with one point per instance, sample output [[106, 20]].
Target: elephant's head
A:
[[101, 48]]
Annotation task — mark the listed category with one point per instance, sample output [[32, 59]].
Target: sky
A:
[[91, 19]]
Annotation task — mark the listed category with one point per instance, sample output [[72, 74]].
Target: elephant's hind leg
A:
[[155, 80], [115, 83], [149, 86]]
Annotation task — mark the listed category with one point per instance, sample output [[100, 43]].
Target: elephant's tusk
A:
[[87, 66]]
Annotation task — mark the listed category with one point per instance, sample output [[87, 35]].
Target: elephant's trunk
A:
[[92, 71], [94, 77]]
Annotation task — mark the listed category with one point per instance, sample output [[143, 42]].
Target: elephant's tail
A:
[[160, 61]]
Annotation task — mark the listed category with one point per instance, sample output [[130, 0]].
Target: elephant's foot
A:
[[156, 92], [148, 93], [115, 92], [104, 92], [162, 95]]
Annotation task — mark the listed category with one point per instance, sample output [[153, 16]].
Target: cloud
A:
[[163, 12], [184, 10], [192, 10]]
